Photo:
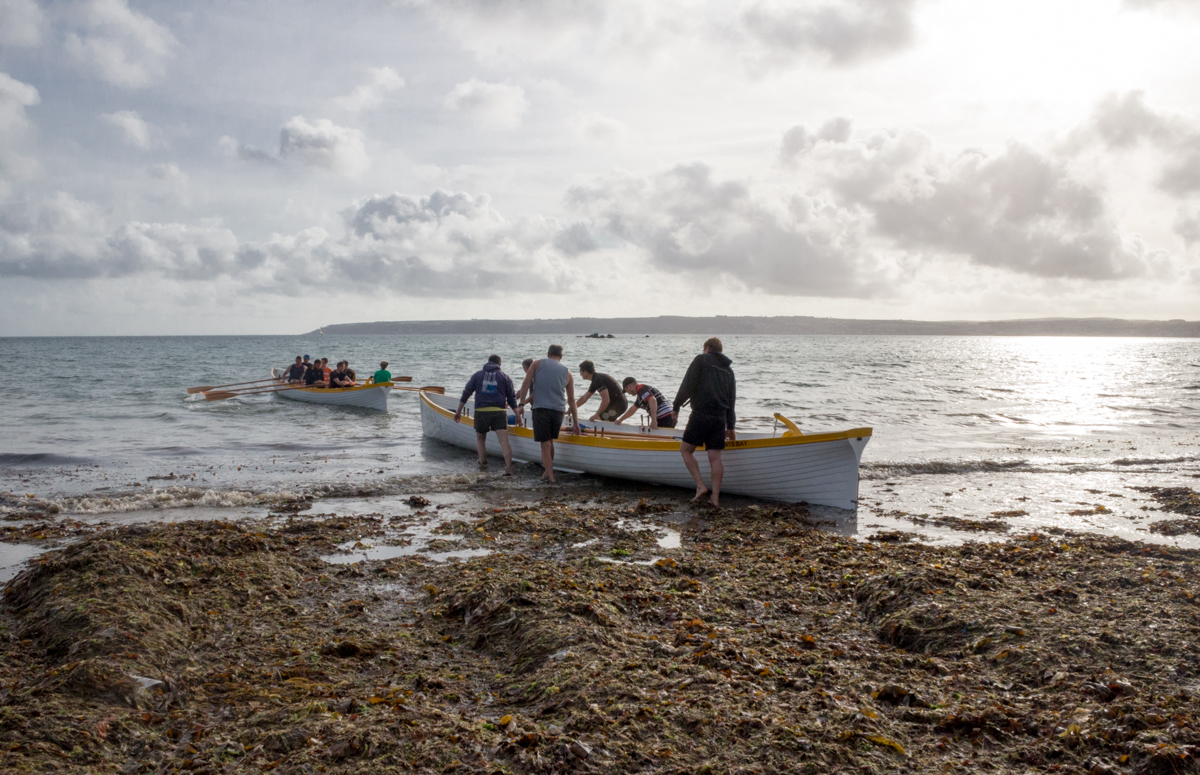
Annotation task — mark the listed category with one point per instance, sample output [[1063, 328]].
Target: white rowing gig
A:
[[817, 468], [363, 396]]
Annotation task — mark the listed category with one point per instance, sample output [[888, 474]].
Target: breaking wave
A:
[[27, 459]]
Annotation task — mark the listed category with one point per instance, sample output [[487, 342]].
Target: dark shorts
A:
[[706, 431], [611, 413], [490, 421], [666, 422], [546, 424]]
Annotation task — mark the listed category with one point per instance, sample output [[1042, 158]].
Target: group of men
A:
[[549, 387], [318, 374]]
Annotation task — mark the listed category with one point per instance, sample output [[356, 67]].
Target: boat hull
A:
[[372, 397], [820, 469]]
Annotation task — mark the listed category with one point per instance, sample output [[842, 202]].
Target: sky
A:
[[268, 167]]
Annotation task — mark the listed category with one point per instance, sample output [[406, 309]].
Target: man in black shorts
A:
[[552, 388], [612, 400], [494, 393], [711, 389]]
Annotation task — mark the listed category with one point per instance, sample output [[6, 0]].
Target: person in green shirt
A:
[[383, 375]]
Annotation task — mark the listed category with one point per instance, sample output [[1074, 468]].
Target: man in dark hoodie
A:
[[712, 391], [493, 395]]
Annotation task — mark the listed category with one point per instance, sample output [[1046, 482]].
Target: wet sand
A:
[[487, 627]]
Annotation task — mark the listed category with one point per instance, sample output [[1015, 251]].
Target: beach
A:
[[252, 584], [595, 632]]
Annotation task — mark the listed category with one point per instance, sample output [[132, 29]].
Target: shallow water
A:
[[1039, 425]]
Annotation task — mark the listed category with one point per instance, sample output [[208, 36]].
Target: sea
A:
[[1051, 433]]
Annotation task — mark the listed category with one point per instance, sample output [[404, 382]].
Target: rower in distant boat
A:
[[295, 372], [343, 377], [315, 376], [662, 414], [381, 376]]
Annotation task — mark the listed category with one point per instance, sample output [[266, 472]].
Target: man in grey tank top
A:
[[552, 390]]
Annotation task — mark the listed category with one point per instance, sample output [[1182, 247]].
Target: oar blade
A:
[[218, 395], [201, 389]]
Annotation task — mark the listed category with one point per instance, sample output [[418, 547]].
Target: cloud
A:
[[231, 149], [842, 33], [134, 130], [489, 105], [322, 143], [1121, 122], [170, 180], [797, 140], [597, 129], [1171, 5], [369, 95], [686, 222], [447, 245], [20, 23], [1187, 226], [763, 34], [120, 45], [1017, 210], [15, 126]]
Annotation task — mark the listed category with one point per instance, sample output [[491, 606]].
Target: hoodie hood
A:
[[489, 366], [717, 359]]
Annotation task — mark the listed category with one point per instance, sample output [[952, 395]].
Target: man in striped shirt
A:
[[652, 400]]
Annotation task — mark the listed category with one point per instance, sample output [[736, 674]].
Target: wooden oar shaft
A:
[[221, 395], [206, 388]]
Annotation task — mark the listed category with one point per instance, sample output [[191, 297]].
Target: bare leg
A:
[[718, 472], [689, 459], [481, 448], [548, 460], [506, 448]]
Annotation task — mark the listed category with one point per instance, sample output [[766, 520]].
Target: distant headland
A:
[[721, 324]]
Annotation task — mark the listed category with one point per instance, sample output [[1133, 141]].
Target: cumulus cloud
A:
[[489, 105], [797, 140], [15, 127], [1018, 210], [686, 222], [20, 23], [368, 96], [134, 130], [232, 149], [597, 129], [842, 33], [118, 44], [446, 245], [1122, 121], [322, 143]]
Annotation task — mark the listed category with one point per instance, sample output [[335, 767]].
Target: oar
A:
[[221, 395], [206, 388], [430, 388]]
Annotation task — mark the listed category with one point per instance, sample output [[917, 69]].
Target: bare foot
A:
[[700, 493], [713, 502], [508, 471]]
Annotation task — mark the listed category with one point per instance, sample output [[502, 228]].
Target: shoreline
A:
[[584, 637]]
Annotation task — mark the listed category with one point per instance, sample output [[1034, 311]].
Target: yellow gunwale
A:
[[668, 445]]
